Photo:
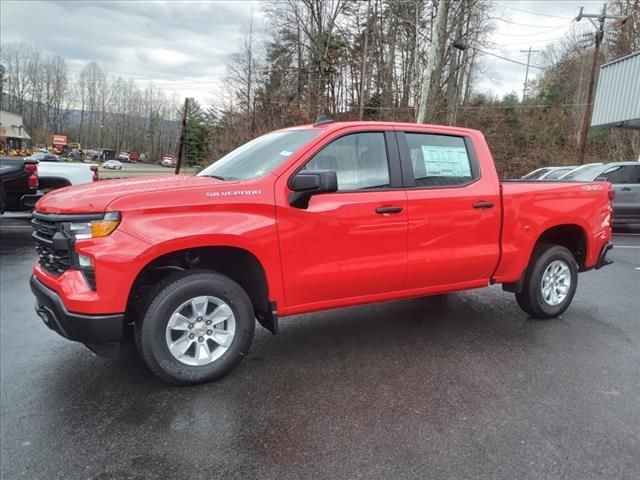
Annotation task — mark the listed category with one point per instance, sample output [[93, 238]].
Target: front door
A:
[[352, 243]]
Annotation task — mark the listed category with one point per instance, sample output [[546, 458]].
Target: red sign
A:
[[59, 140]]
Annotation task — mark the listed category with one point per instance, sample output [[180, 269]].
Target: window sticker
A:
[[446, 161]]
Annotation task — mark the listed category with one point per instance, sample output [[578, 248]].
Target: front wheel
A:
[[550, 283], [197, 328]]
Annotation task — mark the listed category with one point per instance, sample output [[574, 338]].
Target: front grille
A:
[[51, 245], [53, 261], [44, 230]]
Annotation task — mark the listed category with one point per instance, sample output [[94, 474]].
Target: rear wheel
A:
[[550, 282], [197, 328]]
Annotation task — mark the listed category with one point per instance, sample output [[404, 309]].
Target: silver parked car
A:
[[548, 173], [625, 177]]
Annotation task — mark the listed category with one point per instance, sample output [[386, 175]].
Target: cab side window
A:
[[359, 159], [439, 160]]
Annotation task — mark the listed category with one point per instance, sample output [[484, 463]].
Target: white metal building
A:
[[617, 102]]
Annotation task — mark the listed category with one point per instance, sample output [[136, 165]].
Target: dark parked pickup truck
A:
[[18, 184]]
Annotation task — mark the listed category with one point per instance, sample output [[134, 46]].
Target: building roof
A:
[[617, 102], [11, 126]]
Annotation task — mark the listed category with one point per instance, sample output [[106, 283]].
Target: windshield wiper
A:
[[219, 177]]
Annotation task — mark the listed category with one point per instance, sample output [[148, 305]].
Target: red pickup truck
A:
[[303, 219]]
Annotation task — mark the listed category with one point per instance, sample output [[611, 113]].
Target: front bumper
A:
[[88, 329]]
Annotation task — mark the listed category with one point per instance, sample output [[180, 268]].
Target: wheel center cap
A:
[[200, 329]]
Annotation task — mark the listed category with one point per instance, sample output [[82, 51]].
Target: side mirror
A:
[[307, 183]]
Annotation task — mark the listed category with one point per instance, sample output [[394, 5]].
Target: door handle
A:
[[483, 205], [626, 189], [383, 210]]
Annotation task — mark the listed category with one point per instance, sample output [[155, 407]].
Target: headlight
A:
[[100, 227]]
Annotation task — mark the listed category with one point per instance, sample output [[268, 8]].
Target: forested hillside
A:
[[349, 60]]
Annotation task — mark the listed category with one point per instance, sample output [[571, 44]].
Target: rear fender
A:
[[519, 247]]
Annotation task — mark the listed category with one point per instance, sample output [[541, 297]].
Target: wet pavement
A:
[[464, 386]]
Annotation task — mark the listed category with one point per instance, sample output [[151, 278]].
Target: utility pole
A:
[[526, 74], [363, 69], [432, 59], [586, 118], [182, 134]]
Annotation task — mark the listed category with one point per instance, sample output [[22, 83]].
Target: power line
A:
[[534, 13], [525, 24], [533, 34], [507, 59], [466, 107]]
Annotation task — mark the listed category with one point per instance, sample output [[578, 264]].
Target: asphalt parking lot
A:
[[464, 386]]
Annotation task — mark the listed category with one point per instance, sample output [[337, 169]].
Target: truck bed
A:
[[532, 206]]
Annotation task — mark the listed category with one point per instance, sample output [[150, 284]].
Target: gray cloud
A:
[[183, 46], [180, 46]]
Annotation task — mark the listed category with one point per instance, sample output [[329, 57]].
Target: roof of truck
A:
[[332, 125]]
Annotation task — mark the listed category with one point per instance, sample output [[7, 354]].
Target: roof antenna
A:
[[322, 120]]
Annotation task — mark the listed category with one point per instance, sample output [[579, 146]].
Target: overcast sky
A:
[[182, 46]]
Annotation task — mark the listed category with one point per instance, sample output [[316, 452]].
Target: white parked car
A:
[[168, 161], [112, 165], [123, 156]]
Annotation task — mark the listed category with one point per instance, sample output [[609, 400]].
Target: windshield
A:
[[259, 156], [584, 174]]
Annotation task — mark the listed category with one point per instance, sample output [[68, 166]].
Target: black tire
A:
[[531, 299], [165, 299]]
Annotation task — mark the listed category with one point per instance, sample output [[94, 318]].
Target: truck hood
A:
[[95, 197]]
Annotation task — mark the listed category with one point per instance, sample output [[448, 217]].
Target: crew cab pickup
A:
[[303, 219], [54, 174]]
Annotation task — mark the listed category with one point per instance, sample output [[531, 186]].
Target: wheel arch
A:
[[569, 235], [239, 264]]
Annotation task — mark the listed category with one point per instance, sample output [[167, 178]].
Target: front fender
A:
[[251, 229]]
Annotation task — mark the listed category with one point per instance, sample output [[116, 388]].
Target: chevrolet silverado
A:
[[298, 220]]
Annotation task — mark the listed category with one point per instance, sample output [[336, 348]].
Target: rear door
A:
[[454, 211], [352, 243]]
